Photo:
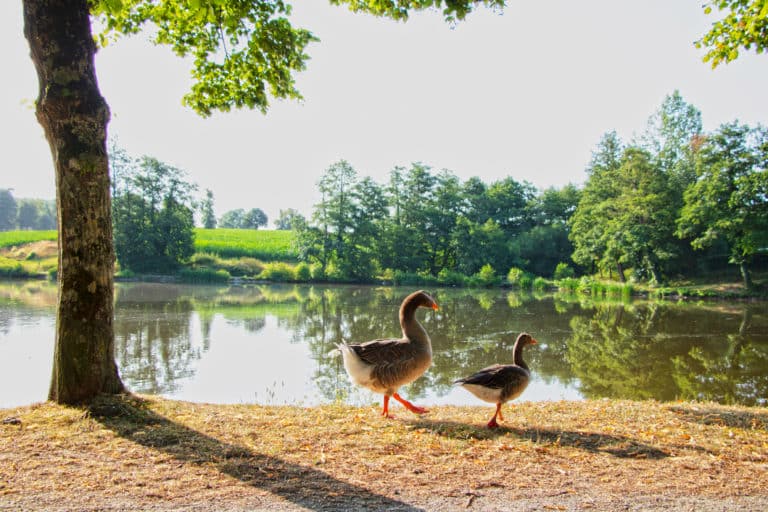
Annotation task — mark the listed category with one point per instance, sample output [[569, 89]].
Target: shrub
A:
[[569, 284], [485, 277], [242, 266], [302, 272], [563, 271], [519, 278], [204, 259], [540, 283], [452, 278], [316, 272], [277, 271], [204, 275], [413, 278], [12, 268]]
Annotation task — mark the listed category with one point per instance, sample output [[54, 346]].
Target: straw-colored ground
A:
[[153, 454]]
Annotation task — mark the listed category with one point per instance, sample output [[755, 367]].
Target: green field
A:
[[265, 245], [13, 238]]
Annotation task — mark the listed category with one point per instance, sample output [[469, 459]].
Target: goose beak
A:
[[533, 341], [434, 306]]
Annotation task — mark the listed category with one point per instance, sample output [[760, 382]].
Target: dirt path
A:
[[130, 454]]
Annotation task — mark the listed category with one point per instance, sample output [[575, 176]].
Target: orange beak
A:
[[533, 341], [434, 306]]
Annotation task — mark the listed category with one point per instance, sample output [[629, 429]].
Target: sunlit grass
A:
[[265, 245], [13, 238]]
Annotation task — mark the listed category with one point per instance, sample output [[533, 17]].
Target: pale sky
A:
[[527, 94]]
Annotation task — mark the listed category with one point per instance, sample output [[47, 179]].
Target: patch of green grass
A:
[[265, 245], [12, 238], [14, 268]]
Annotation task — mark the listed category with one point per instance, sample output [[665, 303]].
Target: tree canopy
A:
[[745, 26]]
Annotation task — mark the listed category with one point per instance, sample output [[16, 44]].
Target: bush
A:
[[316, 272], [519, 278], [485, 277], [452, 278], [204, 259], [302, 272], [277, 271], [540, 283], [12, 268], [563, 271], [402, 278], [569, 284], [242, 266], [204, 275]]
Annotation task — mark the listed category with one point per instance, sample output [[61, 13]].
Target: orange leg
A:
[[492, 423], [408, 405], [385, 411]]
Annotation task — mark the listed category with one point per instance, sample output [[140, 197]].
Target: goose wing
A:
[[498, 376], [383, 351]]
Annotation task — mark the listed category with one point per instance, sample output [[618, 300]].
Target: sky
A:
[[527, 93]]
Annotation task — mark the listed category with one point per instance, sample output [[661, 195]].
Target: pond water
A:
[[274, 344]]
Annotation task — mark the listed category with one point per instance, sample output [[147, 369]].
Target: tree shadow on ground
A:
[[713, 415], [130, 418], [616, 445]]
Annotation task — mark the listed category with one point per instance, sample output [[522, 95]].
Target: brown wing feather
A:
[[383, 351], [498, 376]]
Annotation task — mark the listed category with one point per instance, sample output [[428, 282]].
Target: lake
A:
[[274, 344]]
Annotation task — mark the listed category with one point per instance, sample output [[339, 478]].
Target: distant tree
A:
[[232, 219], [8, 210], [154, 218], [46, 214], [288, 219], [508, 205], [443, 214], [206, 210], [672, 137], [254, 219], [745, 26], [28, 215], [587, 232], [729, 199]]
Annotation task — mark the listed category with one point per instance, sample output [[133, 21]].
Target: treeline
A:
[[26, 214], [675, 202]]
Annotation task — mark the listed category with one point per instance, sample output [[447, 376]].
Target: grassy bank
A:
[[129, 453], [270, 255]]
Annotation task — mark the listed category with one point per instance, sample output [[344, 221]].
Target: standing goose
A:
[[501, 383], [386, 364]]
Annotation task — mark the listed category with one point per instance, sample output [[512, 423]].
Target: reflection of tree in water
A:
[[733, 374], [667, 352], [153, 345], [471, 330], [25, 303]]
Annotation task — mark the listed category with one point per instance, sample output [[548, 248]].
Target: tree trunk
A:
[[74, 117], [745, 275], [620, 272]]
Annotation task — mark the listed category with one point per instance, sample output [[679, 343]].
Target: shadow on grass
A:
[[713, 415], [619, 446], [130, 418]]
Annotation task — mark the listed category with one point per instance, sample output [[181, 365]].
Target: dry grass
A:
[[148, 453]]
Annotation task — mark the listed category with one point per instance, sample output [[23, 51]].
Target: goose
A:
[[500, 383], [383, 365]]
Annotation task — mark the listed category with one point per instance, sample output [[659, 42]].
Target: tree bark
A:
[[745, 275], [74, 117]]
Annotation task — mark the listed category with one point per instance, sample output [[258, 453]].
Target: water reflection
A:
[[274, 344]]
